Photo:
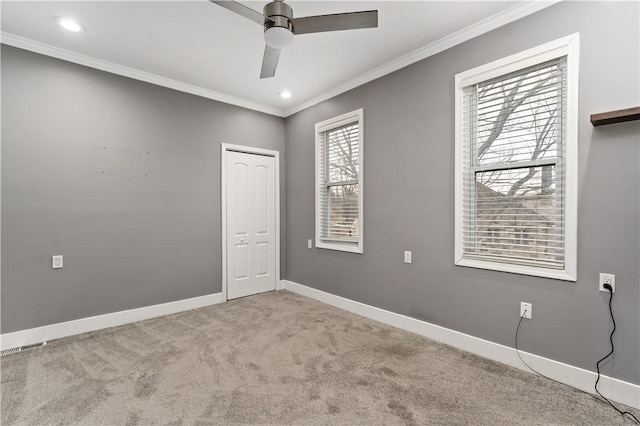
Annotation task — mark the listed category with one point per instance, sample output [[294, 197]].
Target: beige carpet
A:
[[276, 358]]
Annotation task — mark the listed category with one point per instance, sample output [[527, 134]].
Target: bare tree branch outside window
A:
[[342, 182]]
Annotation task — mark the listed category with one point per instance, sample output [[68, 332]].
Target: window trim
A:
[[356, 116], [568, 46]]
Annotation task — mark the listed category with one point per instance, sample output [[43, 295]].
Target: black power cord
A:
[[564, 384], [622, 413]]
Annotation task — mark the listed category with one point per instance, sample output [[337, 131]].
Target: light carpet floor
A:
[[276, 358]]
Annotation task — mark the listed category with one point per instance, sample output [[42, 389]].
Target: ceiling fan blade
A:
[[269, 61], [242, 10], [336, 22]]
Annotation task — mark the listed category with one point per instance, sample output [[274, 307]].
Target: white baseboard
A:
[[614, 389], [84, 325]]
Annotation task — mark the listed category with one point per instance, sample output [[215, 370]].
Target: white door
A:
[[251, 224]]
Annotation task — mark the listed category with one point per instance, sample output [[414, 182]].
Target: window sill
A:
[[555, 274], [340, 246]]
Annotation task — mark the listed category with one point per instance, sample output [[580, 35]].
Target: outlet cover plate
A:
[[607, 279], [56, 261], [525, 309]]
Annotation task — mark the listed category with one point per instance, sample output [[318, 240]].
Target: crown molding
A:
[[498, 20], [89, 61]]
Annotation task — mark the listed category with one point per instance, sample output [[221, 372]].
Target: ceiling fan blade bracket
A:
[[278, 21]]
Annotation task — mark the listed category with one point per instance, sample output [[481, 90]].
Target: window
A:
[[522, 237], [516, 163], [339, 154]]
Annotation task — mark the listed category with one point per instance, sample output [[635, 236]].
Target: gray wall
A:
[[409, 198], [119, 176]]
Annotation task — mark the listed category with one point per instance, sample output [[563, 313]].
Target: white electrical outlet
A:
[[407, 257], [607, 279], [56, 261], [309, 244], [525, 310]]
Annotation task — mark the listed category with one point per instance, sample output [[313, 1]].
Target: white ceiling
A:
[[203, 48]]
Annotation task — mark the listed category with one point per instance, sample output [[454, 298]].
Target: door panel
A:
[[250, 224], [262, 259], [262, 198], [241, 198], [242, 261]]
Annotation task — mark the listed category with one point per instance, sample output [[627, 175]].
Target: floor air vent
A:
[[22, 348]]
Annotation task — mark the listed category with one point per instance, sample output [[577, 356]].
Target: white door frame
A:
[[225, 147]]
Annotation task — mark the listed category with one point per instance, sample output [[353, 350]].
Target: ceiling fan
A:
[[280, 26]]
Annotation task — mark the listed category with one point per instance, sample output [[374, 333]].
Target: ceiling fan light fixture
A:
[[278, 37]]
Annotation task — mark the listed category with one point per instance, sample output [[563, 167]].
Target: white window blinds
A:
[[516, 162], [513, 132], [339, 184]]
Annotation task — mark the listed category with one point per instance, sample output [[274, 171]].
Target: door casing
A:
[[225, 147]]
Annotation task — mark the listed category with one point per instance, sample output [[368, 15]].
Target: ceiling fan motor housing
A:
[[280, 12]]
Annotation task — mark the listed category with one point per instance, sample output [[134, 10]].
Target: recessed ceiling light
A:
[[285, 94], [70, 25]]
